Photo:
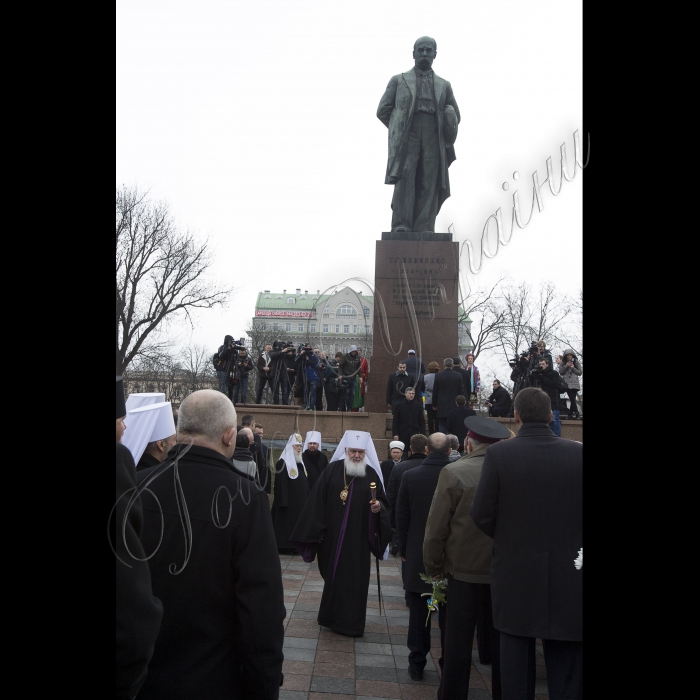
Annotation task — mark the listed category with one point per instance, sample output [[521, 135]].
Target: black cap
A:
[[121, 406], [486, 428]]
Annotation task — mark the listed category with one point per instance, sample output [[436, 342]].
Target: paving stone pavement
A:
[[322, 665]]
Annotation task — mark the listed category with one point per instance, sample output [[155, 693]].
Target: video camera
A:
[[236, 345], [306, 350]]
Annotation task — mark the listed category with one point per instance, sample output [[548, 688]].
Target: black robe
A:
[[290, 497], [146, 462], [315, 463], [344, 600]]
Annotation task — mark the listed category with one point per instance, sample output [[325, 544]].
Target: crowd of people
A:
[[303, 375], [200, 606]]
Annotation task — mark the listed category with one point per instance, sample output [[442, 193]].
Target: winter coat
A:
[[447, 387], [570, 374], [349, 366], [500, 400], [453, 543], [412, 508], [396, 386], [409, 420], [428, 382], [529, 499]]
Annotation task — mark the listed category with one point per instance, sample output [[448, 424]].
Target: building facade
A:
[[330, 322]]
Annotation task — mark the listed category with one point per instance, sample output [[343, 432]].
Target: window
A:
[[345, 310], [301, 328], [354, 329], [337, 329], [287, 327], [327, 310], [267, 296], [368, 329], [346, 329], [291, 300], [275, 326], [261, 326], [312, 327], [366, 311], [325, 328]]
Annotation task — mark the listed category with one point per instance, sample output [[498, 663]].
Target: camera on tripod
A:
[[306, 350], [236, 345]]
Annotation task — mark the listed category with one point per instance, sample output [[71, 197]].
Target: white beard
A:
[[297, 457], [353, 469]]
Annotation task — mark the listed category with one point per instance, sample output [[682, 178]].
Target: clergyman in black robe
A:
[[291, 491], [344, 534], [314, 459]]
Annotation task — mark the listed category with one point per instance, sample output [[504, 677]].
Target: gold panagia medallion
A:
[[292, 472], [344, 495]]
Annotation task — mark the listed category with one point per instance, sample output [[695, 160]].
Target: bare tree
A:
[[531, 316], [570, 334], [484, 303], [197, 367], [160, 272]]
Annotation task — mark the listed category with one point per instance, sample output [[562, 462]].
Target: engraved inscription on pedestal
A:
[[418, 283]]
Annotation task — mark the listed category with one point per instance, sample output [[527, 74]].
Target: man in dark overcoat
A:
[[216, 569], [455, 421], [447, 387], [421, 113], [412, 508], [409, 418], [529, 500]]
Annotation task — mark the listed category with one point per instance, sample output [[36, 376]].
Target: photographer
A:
[[227, 369], [499, 402], [221, 362], [264, 376], [548, 380], [307, 363], [330, 382], [570, 370], [348, 367], [243, 365], [282, 370]]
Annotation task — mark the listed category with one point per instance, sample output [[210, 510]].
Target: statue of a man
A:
[[422, 115]]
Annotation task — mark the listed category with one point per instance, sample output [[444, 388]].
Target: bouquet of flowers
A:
[[438, 594]]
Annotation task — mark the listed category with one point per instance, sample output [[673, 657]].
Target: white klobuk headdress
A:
[[362, 441], [290, 461], [312, 436], [138, 400], [147, 424]]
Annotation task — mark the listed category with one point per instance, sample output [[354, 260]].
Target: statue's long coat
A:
[[396, 112]]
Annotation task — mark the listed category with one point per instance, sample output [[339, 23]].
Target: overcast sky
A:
[[257, 123]]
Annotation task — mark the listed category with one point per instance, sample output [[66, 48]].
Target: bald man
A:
[[222, 628]]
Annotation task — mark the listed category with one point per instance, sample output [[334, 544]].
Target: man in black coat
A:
[[138, 611], [409, 418], [412, 509], [499, 402], [529, 500], [216, 569], [447, 387], [415, 368], [455, 421], [457, 367], [282, 371], [548, 380], [396, 386]]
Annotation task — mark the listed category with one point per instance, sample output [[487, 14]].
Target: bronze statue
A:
[[422, 115]]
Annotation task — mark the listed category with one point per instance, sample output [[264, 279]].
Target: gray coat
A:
[[570, 374], [428, 382], [396, 112]]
